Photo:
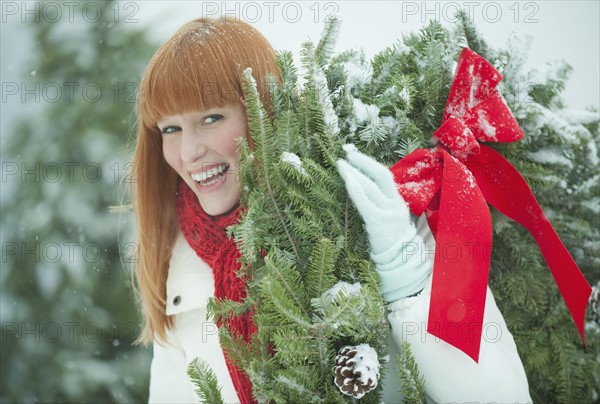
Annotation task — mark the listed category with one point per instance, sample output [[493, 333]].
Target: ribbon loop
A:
[[492, 121], [474, 81], [418, 176]]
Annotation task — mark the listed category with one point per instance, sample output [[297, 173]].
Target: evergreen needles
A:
[[205, 381], [413, 384]]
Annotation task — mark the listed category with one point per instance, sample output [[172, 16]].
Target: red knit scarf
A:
[[207, 236]]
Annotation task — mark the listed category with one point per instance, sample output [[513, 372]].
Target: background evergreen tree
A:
[[68, 315], [299, 214]]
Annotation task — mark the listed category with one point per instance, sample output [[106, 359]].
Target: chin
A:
[[216, 208], [217, 211]]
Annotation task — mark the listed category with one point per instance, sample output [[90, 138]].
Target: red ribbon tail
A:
[[460, 274], [506, 190]]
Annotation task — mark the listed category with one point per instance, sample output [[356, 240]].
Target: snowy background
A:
[[559, 30], [566, 30], [43, 295]]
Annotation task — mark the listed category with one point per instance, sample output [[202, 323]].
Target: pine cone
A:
[[594, 303], [356, 370]]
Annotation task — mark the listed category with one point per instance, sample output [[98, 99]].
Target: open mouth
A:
[[211, 176]]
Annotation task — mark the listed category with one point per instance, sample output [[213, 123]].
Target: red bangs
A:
[[201, 67]]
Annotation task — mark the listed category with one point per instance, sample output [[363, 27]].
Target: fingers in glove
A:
[[376, 171], [362, 190]]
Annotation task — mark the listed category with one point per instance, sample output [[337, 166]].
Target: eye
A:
[[212, 119], [169, 129]]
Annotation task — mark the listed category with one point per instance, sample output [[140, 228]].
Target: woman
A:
[[186, 193]]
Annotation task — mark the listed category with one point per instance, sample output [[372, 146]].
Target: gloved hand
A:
[[396, 248]]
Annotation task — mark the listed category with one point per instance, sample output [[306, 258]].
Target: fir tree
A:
[[313, 242], [64, 286]]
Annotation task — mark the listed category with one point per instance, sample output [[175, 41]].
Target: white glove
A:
[[396, 248]]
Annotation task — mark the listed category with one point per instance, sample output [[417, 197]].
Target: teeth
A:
[[201, 177], [209, 182]]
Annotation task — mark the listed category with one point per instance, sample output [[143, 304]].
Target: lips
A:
[[211, 175]]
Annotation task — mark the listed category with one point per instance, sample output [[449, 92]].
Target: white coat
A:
[[450, 375]]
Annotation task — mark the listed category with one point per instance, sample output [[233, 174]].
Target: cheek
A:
[[234, 148], [231, 142], [171, 154]]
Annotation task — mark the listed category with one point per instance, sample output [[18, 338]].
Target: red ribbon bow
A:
[[453, 182]]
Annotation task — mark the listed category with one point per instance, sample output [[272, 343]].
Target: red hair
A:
[[198, 68]]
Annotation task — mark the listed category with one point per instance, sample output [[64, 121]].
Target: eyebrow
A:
[[203, 113]]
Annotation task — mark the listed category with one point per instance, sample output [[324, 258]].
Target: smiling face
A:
[[196, 73], [201, 146]]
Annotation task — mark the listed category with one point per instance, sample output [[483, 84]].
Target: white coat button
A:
[[177, 300]]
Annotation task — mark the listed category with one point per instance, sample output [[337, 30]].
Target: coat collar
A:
[[190, 281]]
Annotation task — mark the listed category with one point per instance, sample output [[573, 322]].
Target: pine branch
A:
[[321, 271], [283, 292], [285, 95], [471, 36], [205, 380], [326, 45], [297, 388], [220, 309], [238, 351], [413, 384], [320, 107], [261, 130], [407, 146], [374, 132]]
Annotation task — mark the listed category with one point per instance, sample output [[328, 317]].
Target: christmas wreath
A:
[[321, 324]]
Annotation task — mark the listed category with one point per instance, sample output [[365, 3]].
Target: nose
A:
[[192, 146]]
